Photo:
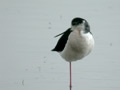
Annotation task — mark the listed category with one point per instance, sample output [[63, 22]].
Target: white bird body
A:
[[75, 43], [79, 45]]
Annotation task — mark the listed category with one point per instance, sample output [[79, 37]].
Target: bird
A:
[[75, 43]]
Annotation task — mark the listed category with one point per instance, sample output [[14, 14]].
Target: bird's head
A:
[[81, 24]]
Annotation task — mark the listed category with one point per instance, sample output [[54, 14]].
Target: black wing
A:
[[62, 41]]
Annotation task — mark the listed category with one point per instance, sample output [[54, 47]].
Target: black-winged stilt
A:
[[76, 42]]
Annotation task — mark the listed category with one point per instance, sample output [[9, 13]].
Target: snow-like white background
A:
[[27, 28]]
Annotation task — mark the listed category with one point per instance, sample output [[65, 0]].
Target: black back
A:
[[62, 41]]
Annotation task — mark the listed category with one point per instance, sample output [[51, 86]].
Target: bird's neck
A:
[[79, 27]]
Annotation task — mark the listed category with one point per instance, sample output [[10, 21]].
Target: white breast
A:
[[78, 46]]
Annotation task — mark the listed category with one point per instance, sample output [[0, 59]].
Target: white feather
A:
[[79, 45]]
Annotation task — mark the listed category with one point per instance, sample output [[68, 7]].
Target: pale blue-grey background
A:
[[27, 28]]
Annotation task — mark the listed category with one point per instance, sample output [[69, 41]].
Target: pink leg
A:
[[70, 77]]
